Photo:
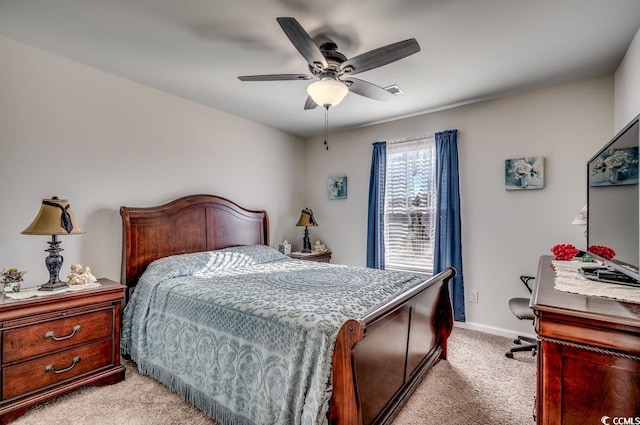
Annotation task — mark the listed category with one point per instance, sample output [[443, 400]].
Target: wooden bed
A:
[[378, 359]]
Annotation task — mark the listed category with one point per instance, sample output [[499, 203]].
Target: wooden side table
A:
[[319, 257], [57, 343]]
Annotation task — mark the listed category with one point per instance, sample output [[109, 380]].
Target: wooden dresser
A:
[[589, 357], [54, 344]]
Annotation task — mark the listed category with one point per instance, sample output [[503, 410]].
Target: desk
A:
[[589, 355]]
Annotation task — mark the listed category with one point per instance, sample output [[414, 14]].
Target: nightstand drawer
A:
[[29, 341], [40, 373]]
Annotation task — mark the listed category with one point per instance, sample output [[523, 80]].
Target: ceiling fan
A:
[[333, 71]]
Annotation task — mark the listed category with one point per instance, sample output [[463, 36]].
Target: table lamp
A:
[[581, 219], [54, 218], [306, 220]]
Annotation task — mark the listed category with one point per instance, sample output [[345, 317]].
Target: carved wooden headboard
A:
[[189, 224]]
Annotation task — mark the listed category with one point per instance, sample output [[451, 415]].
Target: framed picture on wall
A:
[[524, 173], [614, 167], [337, 187]]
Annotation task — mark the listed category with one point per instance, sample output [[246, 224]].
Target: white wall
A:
[[504, 233], [627, 85], [102, 141]]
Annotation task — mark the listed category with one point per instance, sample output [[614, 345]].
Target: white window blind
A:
[[409, 206]]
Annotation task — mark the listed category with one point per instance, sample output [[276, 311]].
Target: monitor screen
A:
[[612, 199]]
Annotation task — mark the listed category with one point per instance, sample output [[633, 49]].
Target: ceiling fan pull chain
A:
[[326, 127]]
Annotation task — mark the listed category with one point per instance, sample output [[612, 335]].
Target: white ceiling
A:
[[471, 49]]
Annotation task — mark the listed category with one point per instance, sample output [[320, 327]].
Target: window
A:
[[410, 205]]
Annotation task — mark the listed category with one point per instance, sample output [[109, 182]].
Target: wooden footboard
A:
[[380, 359]]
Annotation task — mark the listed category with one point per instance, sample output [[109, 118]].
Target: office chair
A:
[[520, 308]]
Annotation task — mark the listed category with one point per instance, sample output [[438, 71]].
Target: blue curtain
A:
[[448, 241], [375, 225]]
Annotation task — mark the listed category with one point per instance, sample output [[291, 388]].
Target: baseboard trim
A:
[[492, 330]]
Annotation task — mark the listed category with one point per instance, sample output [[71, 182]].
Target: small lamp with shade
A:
[[54, 218], [306, 220]]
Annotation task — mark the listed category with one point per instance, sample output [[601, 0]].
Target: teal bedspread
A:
[[247, 334]]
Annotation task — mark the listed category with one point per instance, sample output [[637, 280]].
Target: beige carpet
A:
[[477, 385]]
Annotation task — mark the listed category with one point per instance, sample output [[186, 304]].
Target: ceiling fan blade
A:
[[275, 77], [366, 89], [380, 56], [310, 104], [302, 41]]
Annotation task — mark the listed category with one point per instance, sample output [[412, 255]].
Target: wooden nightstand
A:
[[54, 344], [319, 257]]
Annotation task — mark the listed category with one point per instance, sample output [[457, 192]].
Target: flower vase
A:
[[613, 175], [11, 287], [524, 180]]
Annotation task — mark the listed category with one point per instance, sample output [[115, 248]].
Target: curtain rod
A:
[[410, 139]]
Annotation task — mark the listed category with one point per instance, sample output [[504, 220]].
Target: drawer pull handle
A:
[[51, 368], [53, 336]]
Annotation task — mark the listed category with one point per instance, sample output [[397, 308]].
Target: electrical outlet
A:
[[473, 296]]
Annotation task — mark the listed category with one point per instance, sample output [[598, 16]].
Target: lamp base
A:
[[49, 286], [306, 242], [54, 263]]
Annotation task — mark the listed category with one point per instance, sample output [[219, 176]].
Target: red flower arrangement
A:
[[564, 251], [602, 251]]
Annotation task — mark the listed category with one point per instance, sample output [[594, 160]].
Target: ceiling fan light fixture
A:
[[327, 92]]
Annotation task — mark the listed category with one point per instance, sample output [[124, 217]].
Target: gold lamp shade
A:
[[306, 218], [54, 218]]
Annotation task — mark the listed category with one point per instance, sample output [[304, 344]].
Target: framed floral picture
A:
[[524, 173], [337, 187], [614, 167]]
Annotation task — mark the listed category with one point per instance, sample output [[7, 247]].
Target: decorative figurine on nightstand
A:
[[80, 275], [320, 247], [285, 248]]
